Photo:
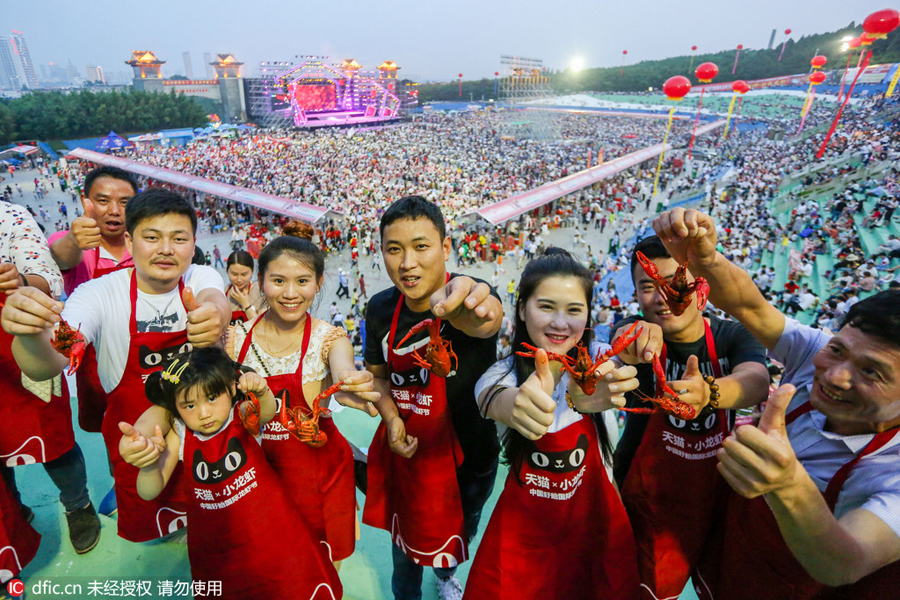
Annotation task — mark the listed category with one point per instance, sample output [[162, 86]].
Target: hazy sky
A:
[[429, 40]]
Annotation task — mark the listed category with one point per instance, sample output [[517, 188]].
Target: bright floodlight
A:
[[577, 64], [846, 38]]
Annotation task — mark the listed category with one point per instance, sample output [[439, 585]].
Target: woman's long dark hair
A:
[[554, 262]]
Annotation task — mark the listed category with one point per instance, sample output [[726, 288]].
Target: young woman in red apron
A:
[[319, 480], [140, 520], [670, 535], [233, 493], [559, 529], [241, 292], [750, 559], [417, 499]]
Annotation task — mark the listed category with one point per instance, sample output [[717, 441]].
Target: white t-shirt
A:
[[101, 309]]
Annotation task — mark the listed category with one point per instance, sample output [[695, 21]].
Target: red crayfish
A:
[[677, 292], [438, 353], [250, 416], [70, 343], [666, 398], [306, 427], [582, 368]]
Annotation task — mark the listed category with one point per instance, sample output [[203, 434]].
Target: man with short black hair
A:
[[706, 360], [433, 460]]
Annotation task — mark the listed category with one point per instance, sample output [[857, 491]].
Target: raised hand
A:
[[138, 450], [689, 235], [463, 295], [29, 311], [204, 322], [648, 342], [10, 280], [358, 391], [758, 460], [610, 392], [85, 229], [533, 407], [692, 388]]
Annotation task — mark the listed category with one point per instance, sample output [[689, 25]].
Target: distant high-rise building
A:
[[9, 75], [21, 49], [188, 68], [94, 74], [72, 73], [207, 60], [45, 75]]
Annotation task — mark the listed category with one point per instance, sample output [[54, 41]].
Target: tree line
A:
[[56, 115], [752, 64]]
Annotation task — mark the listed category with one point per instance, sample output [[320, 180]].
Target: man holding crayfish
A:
[[665, 465]]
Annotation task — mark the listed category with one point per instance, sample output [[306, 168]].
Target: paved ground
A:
[[366, 574]]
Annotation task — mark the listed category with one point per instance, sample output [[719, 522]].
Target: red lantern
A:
[[740, 86], [740, 46], [676, 87], [460, 75], [879, 24], [865, 39], [787, 32], [854, 43], [693, 47], [817, 78], [818, 61], [496, 73], [706, 72], [624, 52]]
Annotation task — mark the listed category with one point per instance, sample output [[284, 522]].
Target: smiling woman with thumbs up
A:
[[559, 529]]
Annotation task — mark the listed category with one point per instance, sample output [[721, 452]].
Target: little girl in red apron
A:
[[234, 496], [559, 529]]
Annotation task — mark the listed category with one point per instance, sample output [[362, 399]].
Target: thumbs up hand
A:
[[534, 407], [85, 229], [204, 321], [138, 450], [759, 460], [692, 388]]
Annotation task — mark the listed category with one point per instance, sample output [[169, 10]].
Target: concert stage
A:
[[315, 93]]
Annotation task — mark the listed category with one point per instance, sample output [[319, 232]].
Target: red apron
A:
[[320, 481], [559, 529], [676, 459], [31, 430], [141, 520], [757, 563], [237, 316], [18, 540], [91, 396], [417, 499], [236, 505]]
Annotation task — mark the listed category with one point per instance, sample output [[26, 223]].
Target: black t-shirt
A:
[[477, 436], [734, 345]]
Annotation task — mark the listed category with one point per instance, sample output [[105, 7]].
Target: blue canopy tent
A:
[[113, 141]]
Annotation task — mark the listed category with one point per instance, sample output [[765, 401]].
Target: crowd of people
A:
[[212, 395]]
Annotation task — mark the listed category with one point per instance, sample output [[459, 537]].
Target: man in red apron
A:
[[816, 500], [36, 418], [659, 454], [136, 318], [91, 248], [433, 461]]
